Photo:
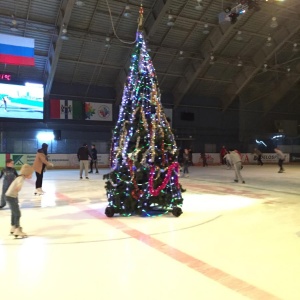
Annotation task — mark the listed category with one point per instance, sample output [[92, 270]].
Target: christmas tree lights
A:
[[144, 156]]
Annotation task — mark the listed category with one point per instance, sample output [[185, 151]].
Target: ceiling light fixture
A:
[[180, 56], [127, 12], [274, 23], [239, 36], [199, 5], [107, 42], [79, 3], [295, 47], [206, 29], [240, 63], [265, 68], [269, 42], [14, 24], [171, 21], [64, 32], [212, 59]]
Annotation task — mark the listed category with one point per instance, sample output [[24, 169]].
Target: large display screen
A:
[[22, 101]]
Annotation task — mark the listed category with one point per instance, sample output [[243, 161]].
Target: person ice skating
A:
[[11, 196], [94, 160], [5, 99], [191, 157], [281, 158], [39, 166], [9, 174], [83, 155], [228, 161], [186, 162], [204, 160], [237, 164], [258, 154], [223, 152]]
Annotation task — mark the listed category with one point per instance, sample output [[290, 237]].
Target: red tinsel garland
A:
[[155, 192]]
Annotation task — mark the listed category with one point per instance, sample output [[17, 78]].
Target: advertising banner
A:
[[59, 160], [71, 160], [98, 111]]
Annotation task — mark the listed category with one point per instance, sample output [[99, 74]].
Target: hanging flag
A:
[[66, 109], [98, 111], [16, 50]]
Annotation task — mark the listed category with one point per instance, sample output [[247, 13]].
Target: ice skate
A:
[[12, 229], [19, 233], [38, 192]]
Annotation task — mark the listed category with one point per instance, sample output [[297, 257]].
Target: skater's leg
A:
[[15, 211], [81, 168]]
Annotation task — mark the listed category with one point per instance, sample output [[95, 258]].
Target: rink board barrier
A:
[[70, 161]]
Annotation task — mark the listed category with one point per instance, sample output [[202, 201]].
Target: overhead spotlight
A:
[[295, 47], [240, 63], [206, 29], [64, 32], [79, 3], [288, 69], [14, 24], [227, 9], [107, 42], [13, 21], [274, 23], [211, 59], [180, 56], [239, 36], [127, 12], [265, 68], [171, 21], [199, 5], [269, 42]]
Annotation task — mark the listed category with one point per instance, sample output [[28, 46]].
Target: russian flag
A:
[[16, 50]]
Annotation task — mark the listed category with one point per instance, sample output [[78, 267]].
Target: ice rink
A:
[[233, 241]]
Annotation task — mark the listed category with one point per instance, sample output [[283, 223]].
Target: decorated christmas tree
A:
[[144, 176]]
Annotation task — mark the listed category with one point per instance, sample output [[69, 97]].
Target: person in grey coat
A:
[[236, 161]]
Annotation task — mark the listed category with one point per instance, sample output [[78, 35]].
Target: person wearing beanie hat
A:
[[39, 166], [11, 196]]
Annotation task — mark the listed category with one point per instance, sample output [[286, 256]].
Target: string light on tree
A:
[[144, 156]]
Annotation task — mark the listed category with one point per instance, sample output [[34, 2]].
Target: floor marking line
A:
[[223, 278]]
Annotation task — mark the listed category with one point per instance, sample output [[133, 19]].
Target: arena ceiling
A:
[[195, 49]]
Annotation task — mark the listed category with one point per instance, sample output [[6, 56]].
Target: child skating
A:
[[9, 174], [13, 201]]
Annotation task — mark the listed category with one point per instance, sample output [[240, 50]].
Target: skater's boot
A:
[[38, 191], [12, 229], [19, 232]]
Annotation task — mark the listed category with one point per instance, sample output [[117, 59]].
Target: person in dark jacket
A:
[[94, 160], [83, 155]]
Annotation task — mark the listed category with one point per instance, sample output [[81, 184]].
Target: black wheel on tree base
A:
[[109, 211], [176, 211]]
